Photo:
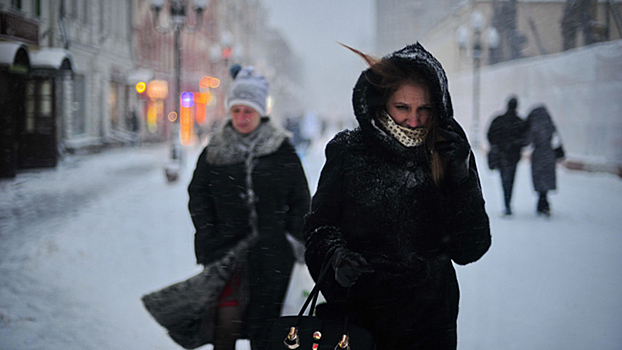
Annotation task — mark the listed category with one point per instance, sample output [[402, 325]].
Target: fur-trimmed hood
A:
[[366, 98]]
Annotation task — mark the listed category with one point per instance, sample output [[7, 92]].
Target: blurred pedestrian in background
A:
[[398, 199], [547, 149], [507, 136], [249, 179]]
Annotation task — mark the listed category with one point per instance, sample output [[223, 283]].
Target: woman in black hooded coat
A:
[[390, 215], [542, 132]]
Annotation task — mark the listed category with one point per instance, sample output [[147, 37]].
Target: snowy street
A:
[[80, 244]]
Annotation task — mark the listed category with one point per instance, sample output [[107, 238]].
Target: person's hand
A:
[[349, 266], [457, 150]]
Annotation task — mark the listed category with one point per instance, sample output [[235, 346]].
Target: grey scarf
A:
[[228, 147]]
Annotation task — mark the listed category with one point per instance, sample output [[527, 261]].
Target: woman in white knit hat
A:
[[248, 180]]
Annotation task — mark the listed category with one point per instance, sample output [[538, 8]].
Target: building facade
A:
[[561, 54], [520, 29], [74, 94], [510, 29], [96, 98], [403, 22], [81, 75]]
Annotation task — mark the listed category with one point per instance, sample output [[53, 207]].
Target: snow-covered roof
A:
[[51, 58], [8, 50]]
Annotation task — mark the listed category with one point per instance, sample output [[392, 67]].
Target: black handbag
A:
[[557, 146], [559, 152], [310, 332], [187, 308]]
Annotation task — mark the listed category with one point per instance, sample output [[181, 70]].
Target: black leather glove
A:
[[349, 266], [457, 150]]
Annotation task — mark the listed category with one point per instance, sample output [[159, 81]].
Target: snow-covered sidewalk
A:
[[82, 243]]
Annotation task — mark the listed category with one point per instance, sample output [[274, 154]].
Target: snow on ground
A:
[[547, 283], [80, 244]]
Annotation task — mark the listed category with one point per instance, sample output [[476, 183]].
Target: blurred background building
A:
[[73, 95], [564, 54], [509, 29], [82, 75], [79, 76]]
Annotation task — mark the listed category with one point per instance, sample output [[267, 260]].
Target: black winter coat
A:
[[509, 133], [377, 197], [543, 161], [220, 215]]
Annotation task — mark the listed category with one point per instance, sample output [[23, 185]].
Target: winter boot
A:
[[543, 207], [507, 211]]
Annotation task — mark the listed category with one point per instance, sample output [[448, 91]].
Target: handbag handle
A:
[[292, 341], [314, 293]]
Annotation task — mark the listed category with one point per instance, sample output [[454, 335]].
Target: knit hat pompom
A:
[[249, 88], [234, 70]]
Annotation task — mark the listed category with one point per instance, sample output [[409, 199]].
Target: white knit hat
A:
[[249, 89]]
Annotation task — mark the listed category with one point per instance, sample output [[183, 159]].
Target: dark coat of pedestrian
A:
[[398, 200], [507, 136], [249, 156], [543, 158]]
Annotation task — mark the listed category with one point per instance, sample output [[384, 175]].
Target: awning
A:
[[14, 54], [136, 76], [52, 58]]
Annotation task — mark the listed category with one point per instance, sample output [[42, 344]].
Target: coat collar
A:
[[228, 147]]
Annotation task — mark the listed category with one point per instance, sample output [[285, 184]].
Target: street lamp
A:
[[477, 26], [178, 23], [221, 54]]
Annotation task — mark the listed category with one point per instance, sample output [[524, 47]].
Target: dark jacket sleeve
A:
[[493, 132], [467, 226], [298, 199], [321, 230], [509, 133], [201, 207]]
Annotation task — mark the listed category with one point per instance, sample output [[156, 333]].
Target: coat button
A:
[[410, 164]]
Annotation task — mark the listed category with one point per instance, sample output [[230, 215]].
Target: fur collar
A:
[[228, 147]]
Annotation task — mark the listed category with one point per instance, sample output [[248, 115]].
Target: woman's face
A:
[[245, 119], [410, 105]]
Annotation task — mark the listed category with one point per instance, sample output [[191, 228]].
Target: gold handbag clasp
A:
[[292, 341], [344, 343]]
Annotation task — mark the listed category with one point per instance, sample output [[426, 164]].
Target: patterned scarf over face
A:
[[406, 136]]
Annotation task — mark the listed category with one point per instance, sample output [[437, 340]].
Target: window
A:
[[113, 103], [130, 20], [74, 9], [30, 106], [45, 103], [16, 4], [39, 106], [102, 17], [78, 122], [86, 11], [36, 8]]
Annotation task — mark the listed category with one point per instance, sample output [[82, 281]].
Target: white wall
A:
[[581, 88]]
